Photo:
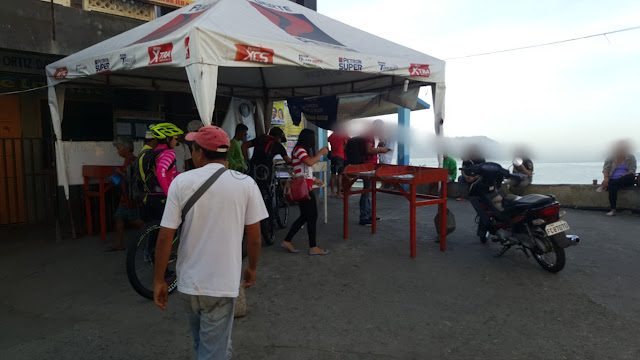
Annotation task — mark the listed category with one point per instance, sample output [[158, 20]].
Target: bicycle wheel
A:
[[140, 261], [282, 208], [266, 226]]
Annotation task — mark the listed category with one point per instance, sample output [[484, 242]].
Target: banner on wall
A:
[[281, 117], [322, 111]]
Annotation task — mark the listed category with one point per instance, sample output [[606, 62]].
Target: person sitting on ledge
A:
[[619, 171]]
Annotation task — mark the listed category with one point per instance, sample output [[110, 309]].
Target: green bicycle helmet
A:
[[165, 130]]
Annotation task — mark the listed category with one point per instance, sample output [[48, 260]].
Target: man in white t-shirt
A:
[[183, 155], [210, 247]]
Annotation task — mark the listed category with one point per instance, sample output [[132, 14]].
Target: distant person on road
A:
[[473, 157], [337, 140], [127, 210], [450, 164], [619, 170], [210, 249], [304, 157], [236, 158]]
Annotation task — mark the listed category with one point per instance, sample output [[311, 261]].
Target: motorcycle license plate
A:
[[556, 227]]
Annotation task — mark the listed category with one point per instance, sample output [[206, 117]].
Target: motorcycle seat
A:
[[527, 201]]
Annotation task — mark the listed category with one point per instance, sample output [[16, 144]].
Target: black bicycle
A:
[[141, 254], [277, 206]]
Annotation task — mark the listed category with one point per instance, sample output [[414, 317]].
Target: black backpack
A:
[[355, 150], [133, 182], [148, 181]]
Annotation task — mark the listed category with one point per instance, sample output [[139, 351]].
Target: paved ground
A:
[[366, 300]]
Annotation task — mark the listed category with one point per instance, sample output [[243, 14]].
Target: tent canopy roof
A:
[[263, 49]]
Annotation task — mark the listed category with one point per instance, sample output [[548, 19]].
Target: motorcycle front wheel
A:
[[552, 258]]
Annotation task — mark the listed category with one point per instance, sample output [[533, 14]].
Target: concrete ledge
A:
[[573, 196], [586, 197]]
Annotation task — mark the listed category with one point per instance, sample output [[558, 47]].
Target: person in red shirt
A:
[[303, 158], [370, 156], [337, 140]]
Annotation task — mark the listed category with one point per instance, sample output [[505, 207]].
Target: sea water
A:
[[546, 173]]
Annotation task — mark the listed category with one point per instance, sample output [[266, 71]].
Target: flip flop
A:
[[312, 253], [114, 249], [294, 251]]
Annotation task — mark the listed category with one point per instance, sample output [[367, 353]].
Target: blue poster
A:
[[321, 111]]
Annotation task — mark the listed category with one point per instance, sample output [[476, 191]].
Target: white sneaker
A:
[[611, 213]]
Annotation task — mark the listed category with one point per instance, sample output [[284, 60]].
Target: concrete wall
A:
[[26, 25], [586, 197], [573, 196]]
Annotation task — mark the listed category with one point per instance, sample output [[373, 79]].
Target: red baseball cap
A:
[[211, 138]]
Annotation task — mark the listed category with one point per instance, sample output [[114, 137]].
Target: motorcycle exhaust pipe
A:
[[573, 239]]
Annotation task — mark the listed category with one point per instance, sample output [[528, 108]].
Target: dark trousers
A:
[[365, 202], [308, 215], [615, 185]]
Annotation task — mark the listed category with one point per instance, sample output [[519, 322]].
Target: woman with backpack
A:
[[160, 168], [303, 158]]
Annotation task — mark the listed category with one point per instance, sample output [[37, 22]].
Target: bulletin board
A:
[[134, 124]]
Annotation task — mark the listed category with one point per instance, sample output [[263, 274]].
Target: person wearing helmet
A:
[[160, 168], [266, 147]]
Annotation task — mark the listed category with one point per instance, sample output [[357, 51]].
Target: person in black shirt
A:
[[266, 147], [465, 180]]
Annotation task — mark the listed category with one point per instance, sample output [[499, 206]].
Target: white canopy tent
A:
[[253, 49]]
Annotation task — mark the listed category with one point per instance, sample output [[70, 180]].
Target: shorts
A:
[[337, 165], [125, 213]]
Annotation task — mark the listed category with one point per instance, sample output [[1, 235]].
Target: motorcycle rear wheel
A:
[[553, 260]]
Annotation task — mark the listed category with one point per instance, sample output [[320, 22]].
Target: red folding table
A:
[[399, 176]]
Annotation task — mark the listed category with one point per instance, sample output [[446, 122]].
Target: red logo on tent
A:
[[160, 54], [254, 54], [61, 73], [419, 70], [175, 23], [296, 25], [186, 45]]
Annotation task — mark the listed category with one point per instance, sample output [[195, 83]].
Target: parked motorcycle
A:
[[532, 222]]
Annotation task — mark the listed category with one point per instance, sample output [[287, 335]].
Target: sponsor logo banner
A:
[[102, 65], [82, 68], [296, 25], [61, 73], [186, 45], [347, 64], [175, 23], [254, 54], [309, 61], [419, 70], [127, 61], [386, 67], [160, 54]]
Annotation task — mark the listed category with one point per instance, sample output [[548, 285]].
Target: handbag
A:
[[296, 190]]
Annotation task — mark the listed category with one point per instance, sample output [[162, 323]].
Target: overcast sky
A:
[[573, 98]]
